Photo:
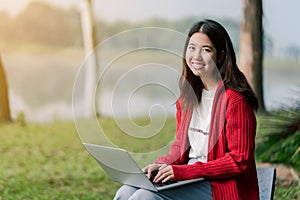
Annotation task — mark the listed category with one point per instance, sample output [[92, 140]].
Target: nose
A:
[[197, 55]]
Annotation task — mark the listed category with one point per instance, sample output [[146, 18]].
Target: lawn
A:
[[48, 161]]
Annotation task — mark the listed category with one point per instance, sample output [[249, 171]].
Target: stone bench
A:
[[266, 182]]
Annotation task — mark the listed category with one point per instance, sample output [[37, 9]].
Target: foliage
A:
[[43, 24], [290, 193], [40, 23], [279, 136]]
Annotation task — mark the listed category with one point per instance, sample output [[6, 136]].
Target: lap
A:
[[198, 190], [134, 193]]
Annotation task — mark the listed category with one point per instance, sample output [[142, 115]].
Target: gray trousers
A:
[[199, 191]]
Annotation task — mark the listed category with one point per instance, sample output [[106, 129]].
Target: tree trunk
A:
[[91, 62], [251, 47], [4, 102]]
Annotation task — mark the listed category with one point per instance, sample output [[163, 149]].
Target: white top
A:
[[199, 126]]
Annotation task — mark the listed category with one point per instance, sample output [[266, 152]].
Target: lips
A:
[[198, 65]]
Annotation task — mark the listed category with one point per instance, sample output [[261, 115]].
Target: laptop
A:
[[122, 168]]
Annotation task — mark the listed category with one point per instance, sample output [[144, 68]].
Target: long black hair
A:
[[191, 86]]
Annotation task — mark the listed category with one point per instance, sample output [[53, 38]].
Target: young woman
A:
[[216, 125]]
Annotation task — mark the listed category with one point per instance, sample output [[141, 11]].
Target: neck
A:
[[210, 84]]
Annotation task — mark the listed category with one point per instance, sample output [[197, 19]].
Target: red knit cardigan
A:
[[231, 166]]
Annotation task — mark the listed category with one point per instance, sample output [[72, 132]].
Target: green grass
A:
[[48, 161]]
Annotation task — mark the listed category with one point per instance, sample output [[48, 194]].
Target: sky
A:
[[280, 17]]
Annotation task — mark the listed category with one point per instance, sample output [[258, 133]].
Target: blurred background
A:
[[41, 46], [45, 49]]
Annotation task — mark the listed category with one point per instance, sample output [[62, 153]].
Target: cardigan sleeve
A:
[[239, 137], [177, 154]]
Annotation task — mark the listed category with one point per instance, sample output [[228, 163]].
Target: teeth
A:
[[198, 65]]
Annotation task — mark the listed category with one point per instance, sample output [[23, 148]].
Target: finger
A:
[[167, 179], [152, 168], [150, 171], [145, 169], [165, 174], [162, 167], [160, 176], [157, 177], [162, 170]]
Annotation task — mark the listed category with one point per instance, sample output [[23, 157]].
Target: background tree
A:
[[251, 47], [4, 103], [89, 42]]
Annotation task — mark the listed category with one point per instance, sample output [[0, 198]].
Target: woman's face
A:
[[201, 56]]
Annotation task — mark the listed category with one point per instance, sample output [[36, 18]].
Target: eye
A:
[[191, 47], [206, 50]]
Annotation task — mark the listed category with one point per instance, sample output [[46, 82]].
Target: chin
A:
[[197, 73]]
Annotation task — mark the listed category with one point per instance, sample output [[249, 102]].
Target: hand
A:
[[150, 168], [164, 174]]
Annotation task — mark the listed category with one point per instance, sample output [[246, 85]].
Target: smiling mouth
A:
[[198, 65]]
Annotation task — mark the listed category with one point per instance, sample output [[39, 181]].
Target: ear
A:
[[221, 56]]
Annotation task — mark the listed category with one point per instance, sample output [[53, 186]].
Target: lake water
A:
[[41, 85], [153, 96]]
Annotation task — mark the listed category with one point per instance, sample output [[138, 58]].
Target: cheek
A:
[[210, 58], [187, 58], [189, 55]]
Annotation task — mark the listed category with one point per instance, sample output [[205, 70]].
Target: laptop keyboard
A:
[[160, 184]]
